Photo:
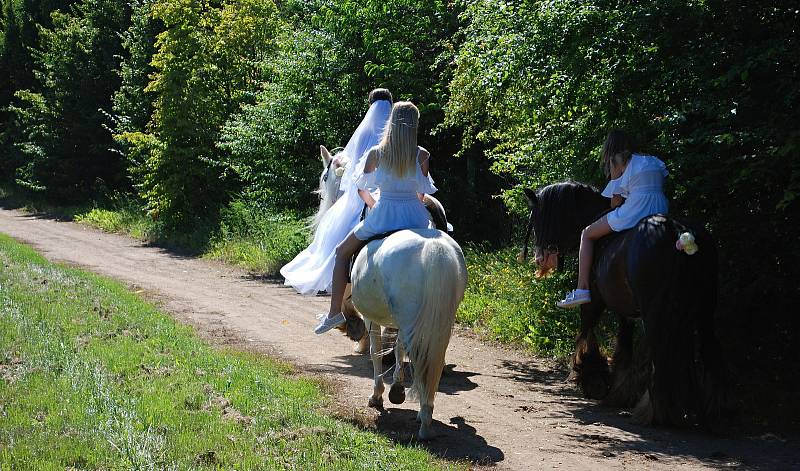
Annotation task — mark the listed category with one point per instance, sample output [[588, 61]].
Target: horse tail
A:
[[678, 323], [430, 335]]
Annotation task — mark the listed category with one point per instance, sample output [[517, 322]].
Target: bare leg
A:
[[593, 232], [344, 251]]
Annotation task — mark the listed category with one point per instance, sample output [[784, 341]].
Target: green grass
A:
[[257, 239], [92, 377], [505, 301], [124, 216]]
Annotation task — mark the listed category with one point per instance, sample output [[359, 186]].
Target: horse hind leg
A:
[[390, 335], [589, 367], [627, 380], [397, 393], [425, 418], [376, 345]]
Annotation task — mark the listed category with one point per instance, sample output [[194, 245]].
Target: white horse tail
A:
[[442, 293]]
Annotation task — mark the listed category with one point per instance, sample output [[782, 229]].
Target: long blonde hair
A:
[[399, 144]]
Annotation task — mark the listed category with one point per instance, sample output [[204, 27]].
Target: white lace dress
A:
[[398, 206], [642, 186]]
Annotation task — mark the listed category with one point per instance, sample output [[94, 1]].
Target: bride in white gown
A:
[[312, 269]]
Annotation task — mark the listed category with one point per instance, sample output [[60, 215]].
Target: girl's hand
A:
[[616, 201]]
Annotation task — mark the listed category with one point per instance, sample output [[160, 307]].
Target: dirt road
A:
[[496, 407]]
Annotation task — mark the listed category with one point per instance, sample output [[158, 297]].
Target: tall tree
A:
[[20, 24], [207, 63], [66, 148]]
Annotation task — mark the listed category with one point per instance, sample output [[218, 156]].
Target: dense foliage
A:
[[708, 86], [207, 105], [333, 54]]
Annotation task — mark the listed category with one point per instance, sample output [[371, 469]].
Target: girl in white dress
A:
[[636, 190], [399, 169], [311, 270]]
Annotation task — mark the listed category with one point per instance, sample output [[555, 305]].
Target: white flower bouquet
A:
[[686, 243]]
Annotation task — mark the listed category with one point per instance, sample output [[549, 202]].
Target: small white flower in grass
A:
[[687, 244]]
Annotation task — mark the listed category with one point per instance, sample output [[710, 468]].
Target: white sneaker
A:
[[575, 298], [328, 323]]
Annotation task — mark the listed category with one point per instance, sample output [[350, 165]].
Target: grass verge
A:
[[506, 302], [91, 376]]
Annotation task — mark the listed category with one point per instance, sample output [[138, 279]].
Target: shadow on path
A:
[[454, 441]]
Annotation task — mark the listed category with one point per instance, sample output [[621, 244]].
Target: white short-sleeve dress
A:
[[398, 206], [642, 186]]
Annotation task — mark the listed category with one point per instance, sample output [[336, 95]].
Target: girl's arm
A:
[[424, 165], [369, 166], [367, 197], [617, 200]]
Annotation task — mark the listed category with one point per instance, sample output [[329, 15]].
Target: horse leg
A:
[[714, 380], [589, 366], [376, 345], [354, 326], [626, 385], [397, 393], [425, 418], [362, 346], [390, 335]]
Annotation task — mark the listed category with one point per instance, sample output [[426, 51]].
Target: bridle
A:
[[327, 171]]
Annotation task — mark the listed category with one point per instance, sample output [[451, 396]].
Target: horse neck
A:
[[590, 204], [329, 192]]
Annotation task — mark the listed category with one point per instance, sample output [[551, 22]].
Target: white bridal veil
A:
[[311, 270]]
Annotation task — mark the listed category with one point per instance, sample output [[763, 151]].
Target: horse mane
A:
[[560, 213], [328, 193]]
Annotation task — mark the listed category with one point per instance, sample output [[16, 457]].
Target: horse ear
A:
[[326, 155], [531, 196]]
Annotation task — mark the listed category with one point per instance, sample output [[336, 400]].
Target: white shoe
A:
[[575, 298], [328, 323]]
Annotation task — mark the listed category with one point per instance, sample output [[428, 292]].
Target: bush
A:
[[253, 236], [507, 302]]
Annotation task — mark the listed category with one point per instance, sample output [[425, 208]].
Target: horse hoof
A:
[[425, 434], [361, 347], [397, 394], [375, 403], [595, 390]]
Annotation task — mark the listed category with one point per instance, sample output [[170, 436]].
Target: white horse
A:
[[412, 280]]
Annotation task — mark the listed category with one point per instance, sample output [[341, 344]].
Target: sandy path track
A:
[[496, 407]]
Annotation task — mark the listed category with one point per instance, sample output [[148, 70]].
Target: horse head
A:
[[558, 214], [329, 181]]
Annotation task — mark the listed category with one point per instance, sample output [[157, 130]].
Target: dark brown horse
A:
[[677, 375]]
